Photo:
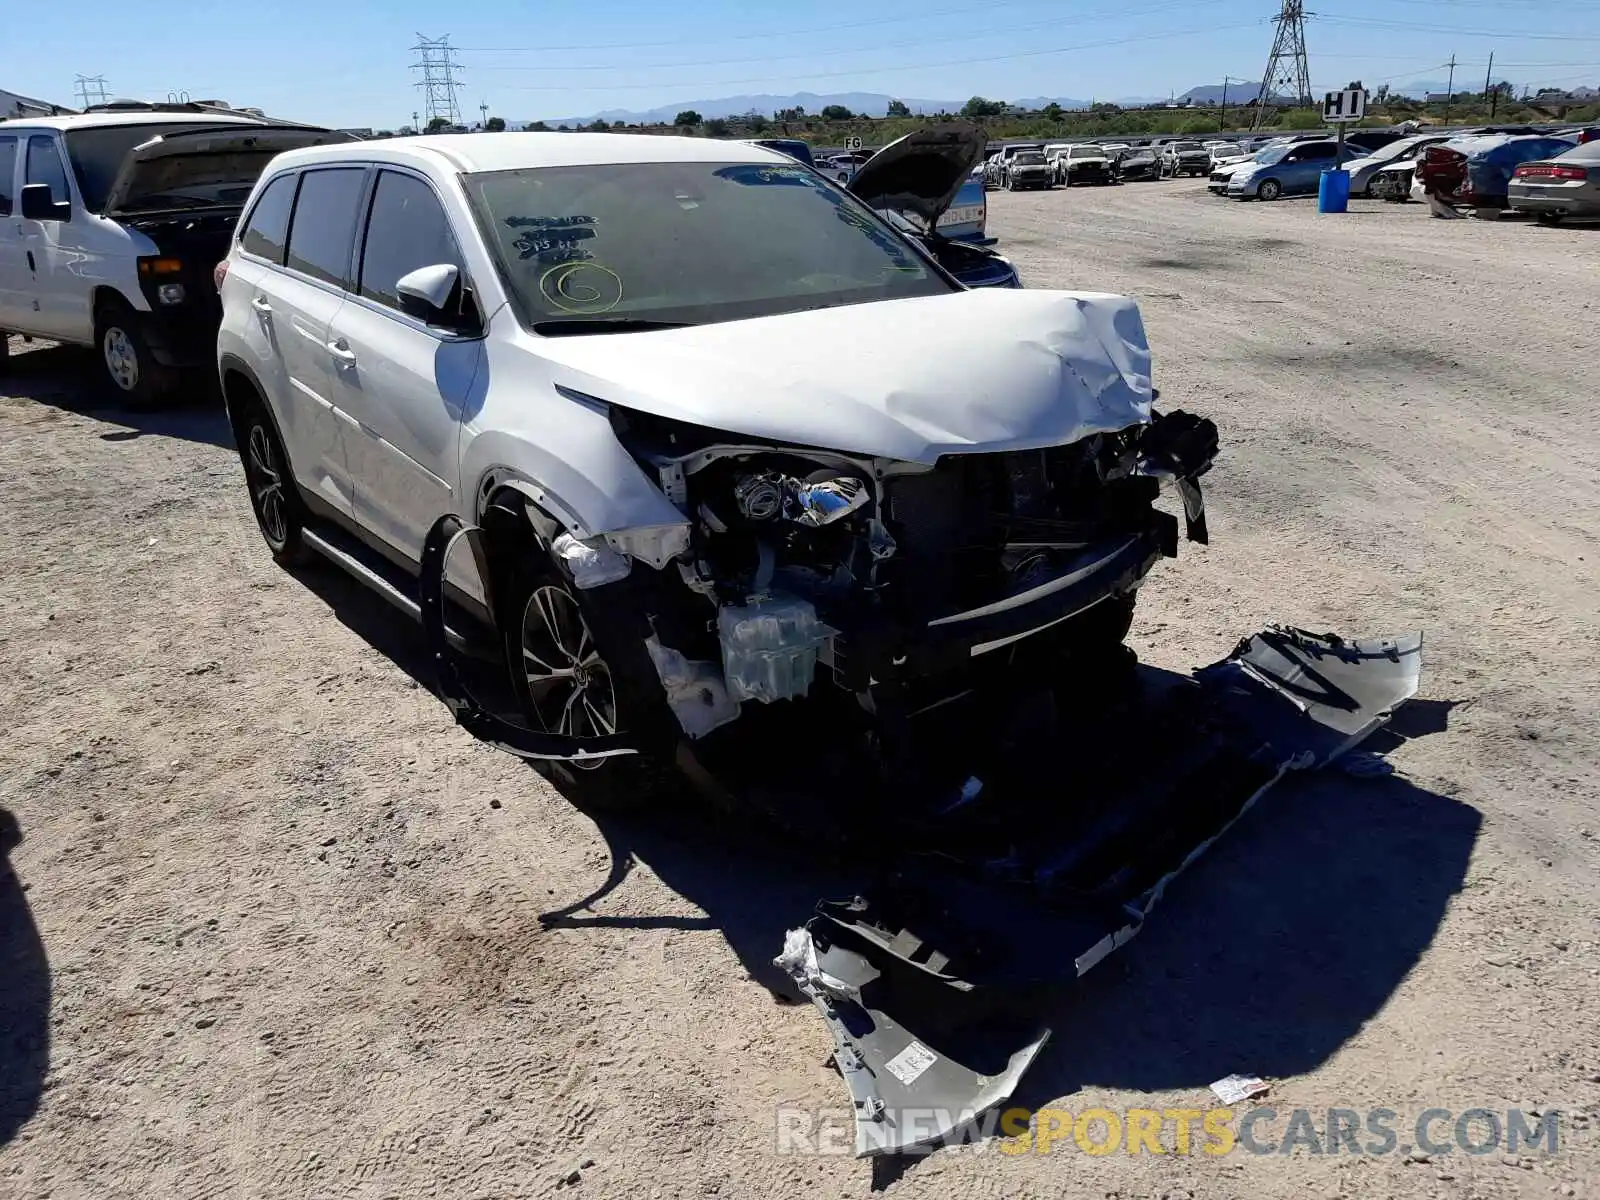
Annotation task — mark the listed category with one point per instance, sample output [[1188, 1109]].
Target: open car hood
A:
[[920, 174], [200, 158]]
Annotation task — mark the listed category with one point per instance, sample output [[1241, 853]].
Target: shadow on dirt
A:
[[24, 996], [1265, 957], [67, 378]]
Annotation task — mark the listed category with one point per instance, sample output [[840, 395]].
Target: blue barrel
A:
[[1333, 194]]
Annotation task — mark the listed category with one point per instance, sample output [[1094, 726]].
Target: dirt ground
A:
[[275, 923]]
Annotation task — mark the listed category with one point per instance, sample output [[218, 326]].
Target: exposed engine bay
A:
[[876, 579]]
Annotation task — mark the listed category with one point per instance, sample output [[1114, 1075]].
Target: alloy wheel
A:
[[122, 360], [266, 485], [570, 688]]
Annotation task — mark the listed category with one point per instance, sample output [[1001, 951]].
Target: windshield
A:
[[1086, 152], [97, 154], [1031, 159], [686, 243], [1184, 147], [1270, 155]]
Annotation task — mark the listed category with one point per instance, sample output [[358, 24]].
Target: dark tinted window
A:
[[324, 222], [45, 166], [406, 229], [268, 227], [8, 172], [1315, 151]]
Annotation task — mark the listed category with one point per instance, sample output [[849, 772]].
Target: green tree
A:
[[438, 123], [755, 122], [495, 125], [537, 127], [717, 127], [897, 108], [837, 112], [599, 126], [1053, 111], [978, 107], [687, 117]]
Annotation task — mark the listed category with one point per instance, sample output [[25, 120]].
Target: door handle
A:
[[341, 350], [260, 304]]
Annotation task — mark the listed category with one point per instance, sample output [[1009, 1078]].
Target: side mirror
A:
[[38, 204], [433, 294]]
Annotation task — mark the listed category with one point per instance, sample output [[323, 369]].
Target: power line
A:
[[1166, 6], [954, 62], [1416, 27], [437, 62], [965, 10]]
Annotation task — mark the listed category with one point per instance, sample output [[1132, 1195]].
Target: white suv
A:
[[111, 223], [599, 352]]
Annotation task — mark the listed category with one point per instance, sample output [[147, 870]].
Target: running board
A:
[[354, 564]]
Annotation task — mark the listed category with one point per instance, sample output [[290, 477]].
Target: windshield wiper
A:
[[579, 325]]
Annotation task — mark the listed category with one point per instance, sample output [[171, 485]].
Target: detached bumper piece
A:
[[997, 899]]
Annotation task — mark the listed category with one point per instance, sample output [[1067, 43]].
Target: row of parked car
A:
[[1553, 175]]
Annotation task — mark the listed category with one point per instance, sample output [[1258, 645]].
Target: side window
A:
[[8, 173], [267, 229], [324, 224], [45, 166], [1317, 151], [407, 229]]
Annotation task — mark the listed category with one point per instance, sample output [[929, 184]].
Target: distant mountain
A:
[[1237, 93], [871, 104]]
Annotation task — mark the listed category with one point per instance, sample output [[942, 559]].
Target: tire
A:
[[132, 376], [545, 634], [1269, 190], [1550, 219], [5, 350], [1097, 634], [280, 512], [1011, 184]]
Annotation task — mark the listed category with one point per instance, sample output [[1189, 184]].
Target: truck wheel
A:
[[275, 500], [134, 377], [564, 685]]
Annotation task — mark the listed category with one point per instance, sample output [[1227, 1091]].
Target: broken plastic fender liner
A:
[[482, 724]]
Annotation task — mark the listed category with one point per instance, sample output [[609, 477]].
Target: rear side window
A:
[[407, 229], [8, 172], [268, 227], [324, 224], [45, 166]]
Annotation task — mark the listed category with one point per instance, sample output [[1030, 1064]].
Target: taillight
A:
[[1549, 171], [219, 273]]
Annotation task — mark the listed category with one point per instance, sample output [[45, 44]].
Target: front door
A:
[[405, 384], [59, 306]]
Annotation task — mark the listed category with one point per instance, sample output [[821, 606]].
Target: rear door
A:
[[299, 300], [13, 266], [1306, 164], [404, 384]]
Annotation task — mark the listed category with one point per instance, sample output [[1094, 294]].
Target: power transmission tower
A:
[[436, 59], [1287, 72], [91, 89]]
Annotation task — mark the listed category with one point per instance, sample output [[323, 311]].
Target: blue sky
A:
[[346, 64]]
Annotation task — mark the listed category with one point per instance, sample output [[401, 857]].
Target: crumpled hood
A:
[[984, 370], [217, 153]]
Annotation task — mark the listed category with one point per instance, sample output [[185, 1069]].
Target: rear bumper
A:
[[1575, 203]]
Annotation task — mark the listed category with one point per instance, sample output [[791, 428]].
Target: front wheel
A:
[[128, 367], [1270, 189], [1549, 218], [565, 686]]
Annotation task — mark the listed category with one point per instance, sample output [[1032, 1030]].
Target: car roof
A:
[[101, 120], [471, 152]]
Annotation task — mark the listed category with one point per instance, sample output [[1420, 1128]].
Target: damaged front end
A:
[[825, 599]]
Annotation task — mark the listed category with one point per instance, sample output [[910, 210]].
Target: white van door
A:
[[59, 300], [13, 266]]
